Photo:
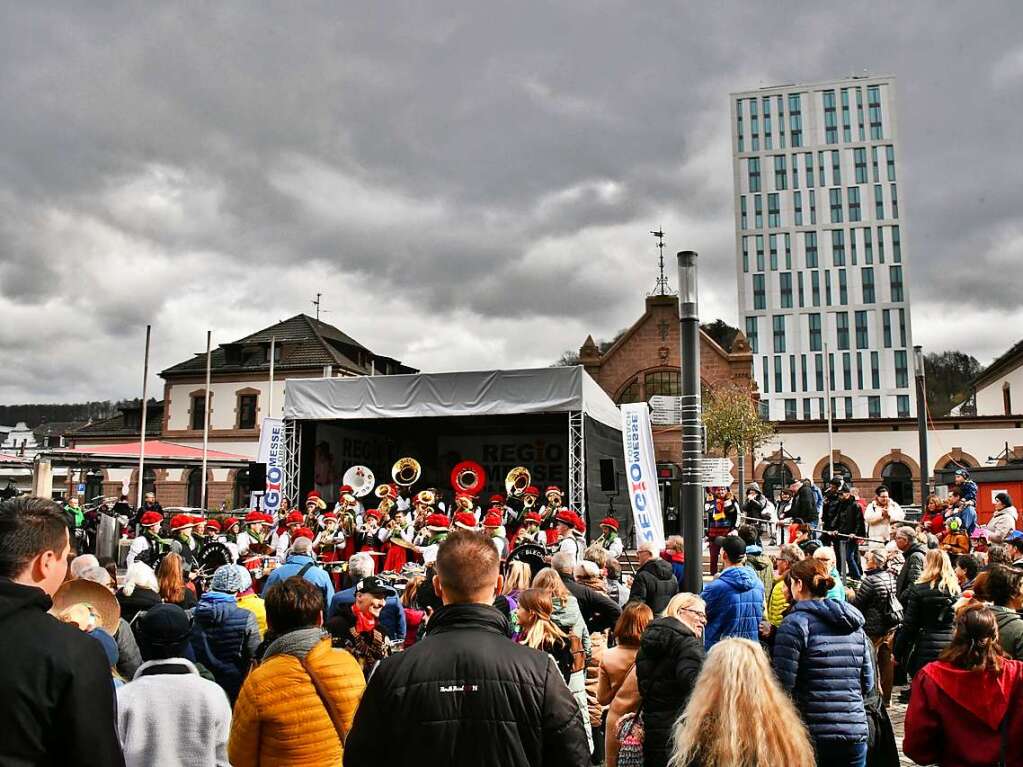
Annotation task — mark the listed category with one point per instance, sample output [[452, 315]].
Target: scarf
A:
[[364, 622], [719, 509]]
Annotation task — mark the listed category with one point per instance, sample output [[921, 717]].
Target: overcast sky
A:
[[469, 185]]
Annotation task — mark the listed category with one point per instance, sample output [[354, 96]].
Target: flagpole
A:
[[206, 418], [270, 399], [142, 429]]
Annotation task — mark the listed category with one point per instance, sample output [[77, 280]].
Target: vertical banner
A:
[[641, 473], [271, 452]]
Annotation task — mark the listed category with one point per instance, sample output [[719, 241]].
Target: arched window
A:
[[193, 494], [241, 489], [777, 477], [665, 382], [148, 481], [630, 393], [841, 470], [898, 478]]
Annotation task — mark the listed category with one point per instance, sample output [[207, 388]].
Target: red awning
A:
[[155, 450]]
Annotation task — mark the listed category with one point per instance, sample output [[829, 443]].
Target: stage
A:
[[557, 422]]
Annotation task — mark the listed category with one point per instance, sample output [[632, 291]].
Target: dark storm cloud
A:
[[484, 166]]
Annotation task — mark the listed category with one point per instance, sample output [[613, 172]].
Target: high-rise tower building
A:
[[819, 250]]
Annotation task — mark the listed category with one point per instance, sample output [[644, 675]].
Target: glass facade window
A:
[[896, 245], [846, 117], [779, 334], [821, 169], [764, 409], [810, 246], [874, 105], [797, 207], [759, 294], [873, 158], [754, 126], [780, 173], [815, 332], [874, 406], [795, 171], [745, 254], [880, 245], [836, 167], [847, 377], [808, 166], [852, 246], [799, 283], [875, 370], [886, 327], [767, 375], [895, 201], [859, 371], [753, 171], [889, 152], [868, 245], [902, 327], [777, 374], [831, 377], [772, 244], [781, 122], [767, 122], [867, 278], [802, 371], [901, 370], [818, 364], [859, 111], [878, 203], [842, 329], [758, 211], [902, 405], [788, 250], [785, 279], [853, 198], [860, 164], [760, 252], [773, 211], [827, 287], [806, 408], [795, 120], [843, 288], [738, 126], [862, 336], [815, 288], [752, 335], [813, 207], [835, 198], [790, 410], [830, 121], [838, 247], [792, 372], [849, 407], [895, 273], [743, 217]]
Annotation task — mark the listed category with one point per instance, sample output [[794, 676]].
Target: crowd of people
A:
[[474, 658]]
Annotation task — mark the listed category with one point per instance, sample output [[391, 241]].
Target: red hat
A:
[[373, 514], [302, 532], [438, 521], [609, 522], [314, 497], [151, 518], [580, 525], [566, 517], [181, 521], [294, 518], [328, 515], [214, 524], [464, 496], [493, 519], [552, 489], [346, 489], [466, 520], [231, 522], [496, 498], [531, 516], [258, 517], [532, 490]]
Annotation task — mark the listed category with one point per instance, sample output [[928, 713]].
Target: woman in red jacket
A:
[[967, 706]]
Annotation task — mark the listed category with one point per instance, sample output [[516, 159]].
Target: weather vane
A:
[[661, 288]]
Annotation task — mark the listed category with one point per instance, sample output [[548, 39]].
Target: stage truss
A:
[[292, 468], [577, 463]]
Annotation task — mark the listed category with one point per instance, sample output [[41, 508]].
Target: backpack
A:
[[630, 740]]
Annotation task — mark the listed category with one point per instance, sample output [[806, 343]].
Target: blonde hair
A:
[[542, 633], [517, 577], [680, 603], [549, 579], [938, 572], [736, 687]]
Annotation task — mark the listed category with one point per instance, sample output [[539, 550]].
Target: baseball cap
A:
[[734, 547], [375, 586]]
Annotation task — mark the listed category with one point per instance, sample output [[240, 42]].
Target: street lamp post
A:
[[921, 420], [692, 500]]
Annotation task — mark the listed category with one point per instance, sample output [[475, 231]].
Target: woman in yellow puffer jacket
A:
[[297, 706], [780, 600]]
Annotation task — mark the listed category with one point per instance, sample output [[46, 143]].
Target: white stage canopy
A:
[[490, 392]]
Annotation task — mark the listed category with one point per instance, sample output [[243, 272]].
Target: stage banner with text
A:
[[641, 474], [271, 452]]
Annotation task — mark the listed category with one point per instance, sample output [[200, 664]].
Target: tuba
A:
[[517, 481], [360, 479], [406, 472], [383, 492], [468, 478]]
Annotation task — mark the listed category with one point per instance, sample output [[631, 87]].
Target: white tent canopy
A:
[[490, 392]]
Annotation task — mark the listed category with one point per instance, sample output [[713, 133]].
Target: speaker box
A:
[[257, 477], [608, 476]]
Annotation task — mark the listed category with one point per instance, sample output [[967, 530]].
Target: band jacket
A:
[[467, 695], [57, 704]]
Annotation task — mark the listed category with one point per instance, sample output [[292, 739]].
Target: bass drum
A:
[[532, 554]]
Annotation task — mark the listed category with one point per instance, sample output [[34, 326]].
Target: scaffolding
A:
[[576, 463], [292, 461]]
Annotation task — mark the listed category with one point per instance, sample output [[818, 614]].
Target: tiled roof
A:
[[1008, 361], [115, 425], [57, 428], [310, 344]]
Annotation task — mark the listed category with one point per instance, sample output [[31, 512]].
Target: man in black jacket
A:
[[804, 505], [598, 610], [655, 583], [914, 554], [466, 694], [850, 522], [58, 704]]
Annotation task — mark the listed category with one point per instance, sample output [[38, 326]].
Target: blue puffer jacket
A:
[[821, 658], [735, 606], [224, 639]]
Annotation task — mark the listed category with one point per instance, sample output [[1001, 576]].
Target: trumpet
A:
[[406, 472], [425, 498], [517, 481]]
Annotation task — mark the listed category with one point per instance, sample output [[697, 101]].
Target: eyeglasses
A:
[[701, 613]]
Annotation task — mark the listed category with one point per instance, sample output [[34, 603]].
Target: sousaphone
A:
[[406, 472], [517, 481], [360, 479], [468, 478]]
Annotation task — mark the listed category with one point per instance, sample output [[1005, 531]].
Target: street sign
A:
[[717, 472], [80, 488], [665, 410]]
